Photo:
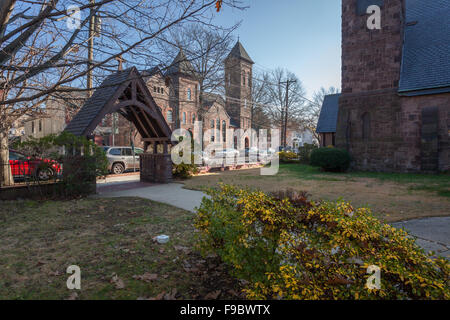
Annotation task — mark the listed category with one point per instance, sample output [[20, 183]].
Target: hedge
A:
[[287, 247], [331, 159]]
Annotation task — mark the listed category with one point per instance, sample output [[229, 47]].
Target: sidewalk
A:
[[432, 234], [172, 194]]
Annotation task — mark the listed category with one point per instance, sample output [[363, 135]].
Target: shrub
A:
[[184, 171], [304, 153], [287, 156], [331, 159], [82, 162], [295, 249]]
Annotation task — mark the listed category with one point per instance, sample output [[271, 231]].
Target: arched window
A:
[[366, 126], [224, 131], [169, 116], [218, 129], [189, 94], [184, 117], [243, 79]]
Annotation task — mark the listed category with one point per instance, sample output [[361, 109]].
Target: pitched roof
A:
[[180, 65], [238, 51], [426, 50], [112, 96], [210, 98], [97, 101], [329, 113]]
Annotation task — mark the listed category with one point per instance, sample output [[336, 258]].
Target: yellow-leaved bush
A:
[[286, 247]]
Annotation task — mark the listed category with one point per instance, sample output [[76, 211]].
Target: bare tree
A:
[[287, 107], [44, 48], [260, 101]]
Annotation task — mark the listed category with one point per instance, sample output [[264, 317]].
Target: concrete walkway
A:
[[172, 194], [432, 234]]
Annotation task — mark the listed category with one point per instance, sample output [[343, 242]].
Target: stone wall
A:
[[382, 130]]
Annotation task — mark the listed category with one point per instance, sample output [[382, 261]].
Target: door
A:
[[127, 155]]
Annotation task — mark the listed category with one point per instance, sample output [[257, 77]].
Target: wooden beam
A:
[[139, 120]]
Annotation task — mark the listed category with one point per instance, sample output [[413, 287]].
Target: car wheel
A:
[[45, 174], [118, 168]]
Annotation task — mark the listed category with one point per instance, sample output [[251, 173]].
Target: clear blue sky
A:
[[303, 36]]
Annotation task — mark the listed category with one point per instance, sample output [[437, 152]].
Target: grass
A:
[[435, 183], [392, 197], [111, 240]]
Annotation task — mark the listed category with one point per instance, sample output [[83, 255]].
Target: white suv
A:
[[121, 159]]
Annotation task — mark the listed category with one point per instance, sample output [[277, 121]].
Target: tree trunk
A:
[[6, 178]]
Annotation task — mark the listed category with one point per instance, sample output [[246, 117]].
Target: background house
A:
[[326, 126]]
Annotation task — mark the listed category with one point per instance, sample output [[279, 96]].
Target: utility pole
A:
[[285, 114], [91, 48]]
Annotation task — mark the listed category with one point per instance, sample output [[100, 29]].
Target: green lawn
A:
[[391, 196], [437, 183], [111, 240]]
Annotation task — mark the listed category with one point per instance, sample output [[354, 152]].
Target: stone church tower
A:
[[369, 107], [238, 86], [394, 110]]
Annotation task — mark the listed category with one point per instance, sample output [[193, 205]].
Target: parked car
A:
[[121, 159], [23, 166]]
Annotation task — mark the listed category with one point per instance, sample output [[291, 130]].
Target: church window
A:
[[189, 94], [169, 116], [224, 131], [184, 117], [366, 126], [243, 79]]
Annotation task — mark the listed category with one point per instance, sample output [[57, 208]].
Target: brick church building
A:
[[176, 92], [394, 110]]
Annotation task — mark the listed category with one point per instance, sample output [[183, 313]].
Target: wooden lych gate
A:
[[126, 93]]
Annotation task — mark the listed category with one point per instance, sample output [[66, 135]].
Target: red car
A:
[[23, 166]]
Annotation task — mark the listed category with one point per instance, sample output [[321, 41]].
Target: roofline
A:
[[424, 91]]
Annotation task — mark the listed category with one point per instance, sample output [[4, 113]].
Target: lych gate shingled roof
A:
[[124, 92], [238, 51], [97, 102], [329, 113], [426, 50]]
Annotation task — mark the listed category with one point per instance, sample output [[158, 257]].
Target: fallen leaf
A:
[[118, 283], [213, 295], [159, 296], [73, 296], [171, 295], [147, 277]]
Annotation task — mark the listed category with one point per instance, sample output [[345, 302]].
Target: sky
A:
[[303, 36]]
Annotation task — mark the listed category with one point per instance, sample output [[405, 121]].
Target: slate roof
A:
[[95, 104], [329, 113], [210, 98], [426, 50], [180, 65], [238, 51]]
